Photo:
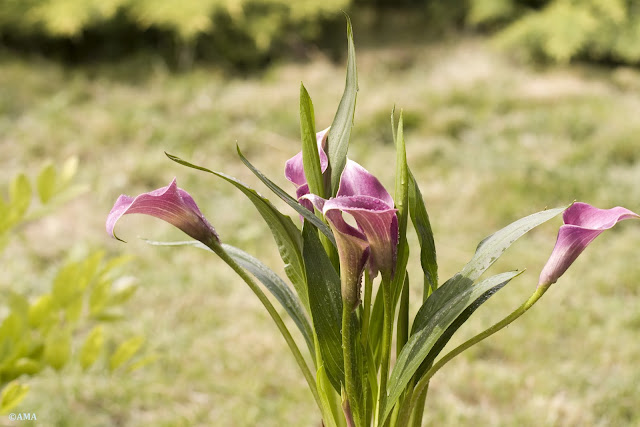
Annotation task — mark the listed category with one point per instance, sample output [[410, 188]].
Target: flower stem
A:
[[215, 247], [366, 311], [424, 381], [387, 332], [348, 350]]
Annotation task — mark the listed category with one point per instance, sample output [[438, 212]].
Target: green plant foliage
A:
[[125, 352], [11, 395], [237, 30], [50, 330], [565, 29]]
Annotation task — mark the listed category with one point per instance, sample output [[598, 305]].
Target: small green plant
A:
[[69, 323]]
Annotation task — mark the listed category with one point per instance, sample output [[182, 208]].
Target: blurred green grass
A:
[[489, 142]]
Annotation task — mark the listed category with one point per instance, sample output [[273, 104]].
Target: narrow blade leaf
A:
[[340, 132], [421, 223], [326, 304], [285, 233], [401, 201], [278, 289], [434, 318], [310, 156], [307, 214], [274, 284]]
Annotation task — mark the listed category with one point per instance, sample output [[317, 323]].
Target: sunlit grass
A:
[[488, 140]]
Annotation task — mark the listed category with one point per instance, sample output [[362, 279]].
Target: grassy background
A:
[[489, 142]]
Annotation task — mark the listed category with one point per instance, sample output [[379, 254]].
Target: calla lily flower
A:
[[170, 204], [294, 169], [582, 224], [362, 196], [353, 251]]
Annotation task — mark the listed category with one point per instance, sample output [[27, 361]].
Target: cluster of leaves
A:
[[67, 324], [351, 350], [235, 29], [562, 30]]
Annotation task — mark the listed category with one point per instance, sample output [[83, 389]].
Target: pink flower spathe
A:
[[582, 224], [170, 204]]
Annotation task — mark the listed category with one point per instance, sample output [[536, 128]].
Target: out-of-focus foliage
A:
[[236, 30], [67, 323], [249, 32], [561, 30]]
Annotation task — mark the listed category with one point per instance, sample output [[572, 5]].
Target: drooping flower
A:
[[362, 196], [353, 251], [170, 204], [582, 224], [294, 169]]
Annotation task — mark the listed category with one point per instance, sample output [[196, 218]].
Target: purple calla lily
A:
[[294, 169], [362, 196], [170, 204], [353, 251], [582, 224]]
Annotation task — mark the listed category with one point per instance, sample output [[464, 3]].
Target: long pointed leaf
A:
[[460, 320], [340, 132], [307, 214], [285, 233], [401, 201], [310, 156], [421, 223], [325, 298], [437, 314], [493, 246], [274, 284]]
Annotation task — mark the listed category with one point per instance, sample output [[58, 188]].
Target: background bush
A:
[[562, 30], [240, 31], [248, 33]]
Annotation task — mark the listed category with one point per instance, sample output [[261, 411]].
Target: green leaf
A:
[[69, 169], [402, 330], [310, 156], [18, 303], [493, 246], [12, 394], [13, 331], [434, 317], [421, 223], [376, 324], [92, 347], [99, 297], [446, 336], [401, 201], [326, 304], [125, 352], [325, 393], [19, 201], [42, 312], [57, 348], [278, 289], [46, 183], [267, 277], [23, 366], [340, 132], [285, 233], [147, 360], [308, 215]]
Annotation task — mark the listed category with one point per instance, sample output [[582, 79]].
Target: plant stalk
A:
[[424, 381], [387, 333], [215, 247]]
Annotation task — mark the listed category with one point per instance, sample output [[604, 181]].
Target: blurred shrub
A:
[[66, 324], [561, 30], [239, 31]]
